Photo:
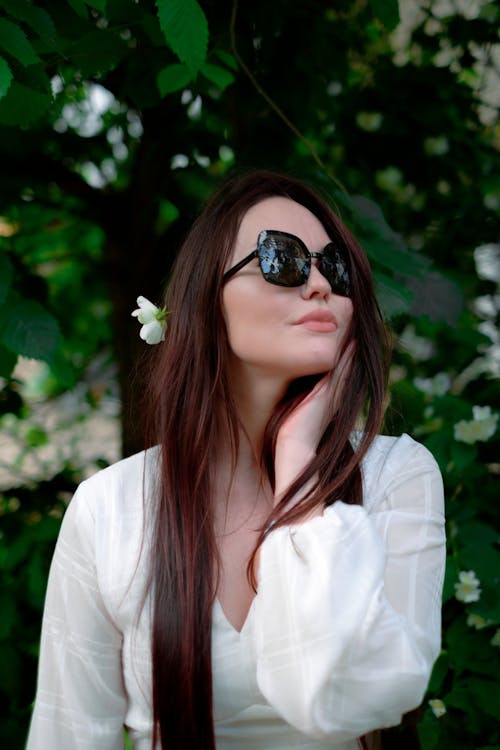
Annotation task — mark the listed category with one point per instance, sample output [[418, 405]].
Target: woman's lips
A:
[[321, 321], [321, 326]]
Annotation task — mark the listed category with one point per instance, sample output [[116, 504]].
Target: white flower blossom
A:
[[467, 590], [438, 707], [436, 386], [419, 347], [153, 320], [478, 622], [495, 641], [482, 426]]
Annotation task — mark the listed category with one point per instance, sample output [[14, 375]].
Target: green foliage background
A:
[[118, 119]]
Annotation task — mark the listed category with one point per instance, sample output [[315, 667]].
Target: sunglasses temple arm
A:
[[232, 271]]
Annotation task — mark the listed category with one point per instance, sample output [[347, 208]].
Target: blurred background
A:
[[117, 120]]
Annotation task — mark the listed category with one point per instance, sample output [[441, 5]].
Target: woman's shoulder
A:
[[392, 460], [125, 484], [393, 450]]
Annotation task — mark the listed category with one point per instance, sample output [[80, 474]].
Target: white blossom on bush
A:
[[438, 707], [478, 622], [436, 386], [467, 590], [153, 320], [419, 347], [495, 641], [482, 426]]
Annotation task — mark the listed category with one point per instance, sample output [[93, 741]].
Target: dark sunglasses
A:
[[285, 260]]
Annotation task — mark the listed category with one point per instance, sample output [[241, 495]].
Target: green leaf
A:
[[220, 76], [19, 551], [23, 105], [37, 18], [392, 295], [428, 732], [227, 58], [437, 297], [173, 78], [479, 552], [399, 260], [14, 41], [37, 580], [185, 28], [8, 361], [450, 578], [8, 620], [79, 7], [27, 329], [99, 5], [462, 455], [438, 674], [475, 692], [5, 78], [97, 52], [10, 674], [6, 274], [387, 11], [63, 371], [35, 437], [469, 649]]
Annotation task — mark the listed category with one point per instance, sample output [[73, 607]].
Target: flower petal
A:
[[152, 332]]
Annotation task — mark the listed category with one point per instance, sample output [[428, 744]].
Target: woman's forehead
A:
[[285, 215]]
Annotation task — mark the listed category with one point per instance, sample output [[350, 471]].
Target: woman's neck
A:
[[255, 399]]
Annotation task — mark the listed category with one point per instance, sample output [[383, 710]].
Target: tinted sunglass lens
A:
[[283, 261], [333, 266]]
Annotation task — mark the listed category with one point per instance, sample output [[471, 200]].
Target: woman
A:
[[269, 575]]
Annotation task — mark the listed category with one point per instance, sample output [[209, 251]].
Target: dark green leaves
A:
[[173, 78], [97, 52], [5, 77], [185, 28], [99, 5], [27, 329], [22, 105], [36, 18], [218, 75], [387, 11], [6, 274], [14, 41]]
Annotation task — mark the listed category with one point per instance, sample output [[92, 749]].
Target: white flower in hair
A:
[[153, 320]]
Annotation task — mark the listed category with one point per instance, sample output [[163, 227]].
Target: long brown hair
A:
[[191, 410]]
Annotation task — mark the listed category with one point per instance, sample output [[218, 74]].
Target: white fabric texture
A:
[[340, 639]]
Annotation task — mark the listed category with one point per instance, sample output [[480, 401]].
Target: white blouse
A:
[[340, 638]]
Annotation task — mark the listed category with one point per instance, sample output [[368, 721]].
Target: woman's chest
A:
[[237, 533]]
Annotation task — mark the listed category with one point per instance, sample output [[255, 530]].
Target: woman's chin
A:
[[317, 367]]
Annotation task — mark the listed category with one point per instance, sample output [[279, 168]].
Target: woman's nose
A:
[[316, 284]]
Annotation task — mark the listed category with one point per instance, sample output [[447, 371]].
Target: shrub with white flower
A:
[[482, 426], [478, 622], [153, 320], [495, 641], [436, 386], [438, 707], [468, 589]]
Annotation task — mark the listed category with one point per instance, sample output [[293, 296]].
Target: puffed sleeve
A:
[[80, 702], [348, 612]]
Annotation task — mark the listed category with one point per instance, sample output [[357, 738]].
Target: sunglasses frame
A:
[[307, 254]]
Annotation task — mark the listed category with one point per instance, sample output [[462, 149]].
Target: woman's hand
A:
[[301, 432]]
